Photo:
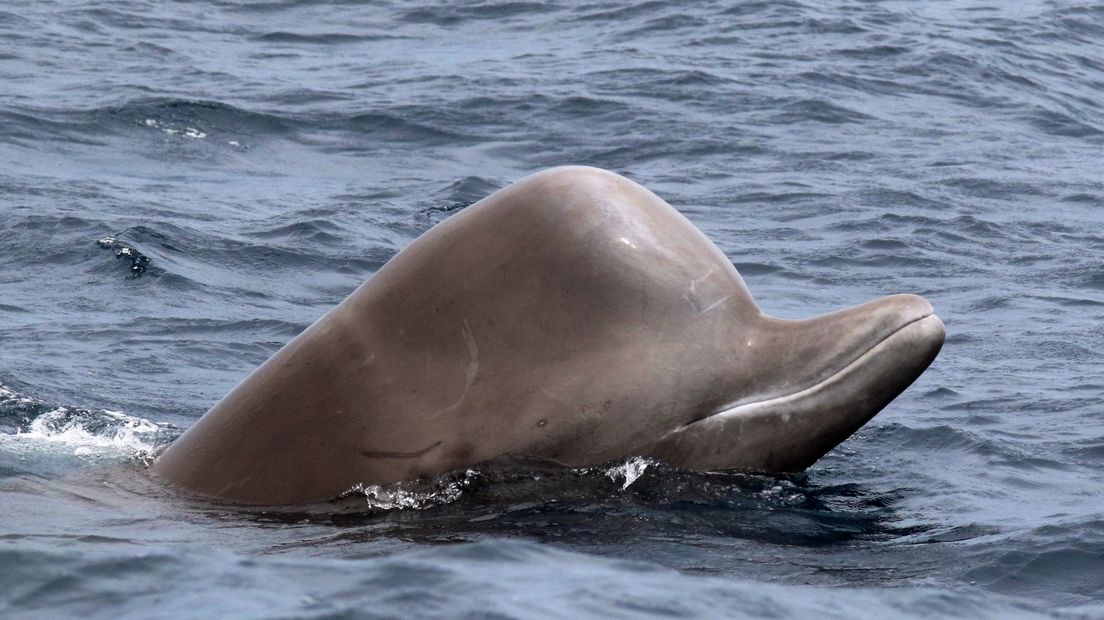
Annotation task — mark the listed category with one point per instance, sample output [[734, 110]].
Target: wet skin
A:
[[572, 316]]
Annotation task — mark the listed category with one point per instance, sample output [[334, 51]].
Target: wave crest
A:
[[31, 425]]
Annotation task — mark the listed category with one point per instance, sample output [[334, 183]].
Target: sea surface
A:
[[185, 186]]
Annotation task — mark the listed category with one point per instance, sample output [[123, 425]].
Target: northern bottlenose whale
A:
[[572, 316]]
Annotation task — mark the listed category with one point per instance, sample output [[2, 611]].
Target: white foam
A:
[[404, 495], [85, 433], [9, 396], [186, 132], [629, 471]]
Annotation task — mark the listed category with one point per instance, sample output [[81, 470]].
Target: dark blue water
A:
[[186, 186]]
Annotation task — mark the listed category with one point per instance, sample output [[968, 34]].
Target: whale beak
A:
[[843, 369]]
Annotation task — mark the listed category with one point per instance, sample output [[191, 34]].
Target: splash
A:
[[84, 432], [503, 472], [416, 495], [629, 471], [183, 131], [139, 262]]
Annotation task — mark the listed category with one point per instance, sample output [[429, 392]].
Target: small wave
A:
[[179, 256], [873, 52], [399, 124], [669, 23], [448, 488], [1093, 279], [322, 38], [943, 438], [313, 230], [1065, 300], [139, 262], [512, 495], [414, 495], [187, 120], [1085, 198], [1058, 557], [1058, 124], [446, 15], [618, 14], [183, 131], [1088, 452], [27, 424], [818, 111], [195, 121], [508, 494], [951, 534], [896, 198], [468, 190], [761, 269], [942, 393], [674, 84]]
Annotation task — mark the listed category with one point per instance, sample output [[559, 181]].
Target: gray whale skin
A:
[[572, 316]]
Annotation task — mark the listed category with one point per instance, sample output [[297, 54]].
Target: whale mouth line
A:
[[732, 410]]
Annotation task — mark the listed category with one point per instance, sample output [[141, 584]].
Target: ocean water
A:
[[184, 186]]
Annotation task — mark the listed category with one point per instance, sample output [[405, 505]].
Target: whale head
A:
[[573, 316]]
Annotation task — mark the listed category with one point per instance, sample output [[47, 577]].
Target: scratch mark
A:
[[694, 298], [696, 281], [385, 454], [473, 355], [472, 371], [715, 304]]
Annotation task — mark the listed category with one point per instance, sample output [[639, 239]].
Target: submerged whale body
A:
[[572, 316]]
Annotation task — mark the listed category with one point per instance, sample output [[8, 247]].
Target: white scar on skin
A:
[[472, 370]]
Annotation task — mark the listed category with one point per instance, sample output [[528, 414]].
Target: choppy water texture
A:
[[185, 186]]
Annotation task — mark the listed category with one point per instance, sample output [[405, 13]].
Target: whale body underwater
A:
[[572, 316]]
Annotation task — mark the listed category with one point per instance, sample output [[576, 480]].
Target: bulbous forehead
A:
[[571, 235]]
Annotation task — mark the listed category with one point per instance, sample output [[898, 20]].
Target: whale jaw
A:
[[788, 432]]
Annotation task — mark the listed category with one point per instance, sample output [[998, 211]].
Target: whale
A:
[[573, 316]]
